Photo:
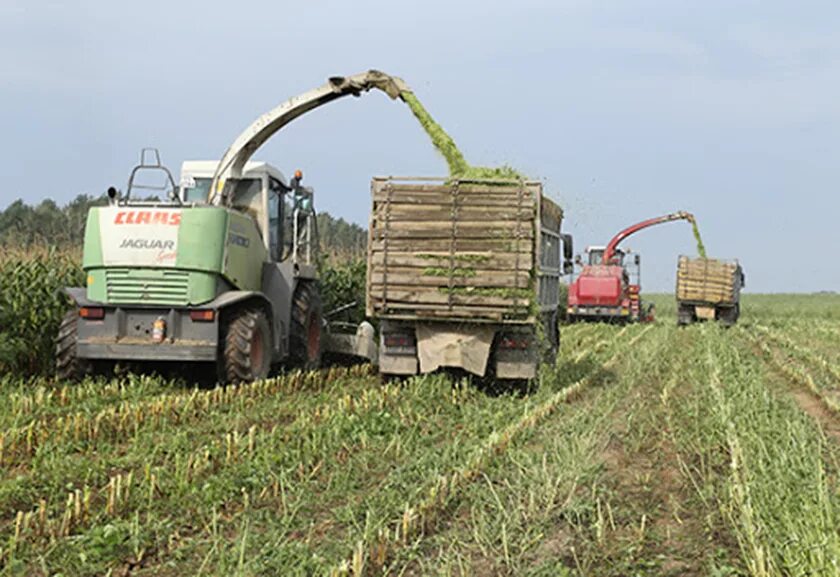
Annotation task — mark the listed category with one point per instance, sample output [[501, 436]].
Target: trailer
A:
[[465, 274], [708, 289]]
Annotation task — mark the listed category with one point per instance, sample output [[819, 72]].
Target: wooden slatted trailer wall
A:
[[461, 250], [708, 288], [706, 279]]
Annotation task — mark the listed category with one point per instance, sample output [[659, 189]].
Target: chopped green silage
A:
[[458, 166], [465, 258], [701, 249], [455, 272], [519, 293], [440, 139]]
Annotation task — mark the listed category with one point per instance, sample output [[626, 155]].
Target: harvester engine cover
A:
[[597, 286]]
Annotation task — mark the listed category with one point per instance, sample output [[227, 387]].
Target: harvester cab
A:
[[283, 210], [632, 268], [595, 255]]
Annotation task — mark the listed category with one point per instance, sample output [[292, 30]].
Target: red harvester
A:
[[603, 290]]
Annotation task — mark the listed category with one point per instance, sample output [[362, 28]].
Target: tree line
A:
[[47, 223]]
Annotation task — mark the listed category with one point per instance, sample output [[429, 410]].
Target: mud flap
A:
[[467, 348], [517, 365], [705, 313]]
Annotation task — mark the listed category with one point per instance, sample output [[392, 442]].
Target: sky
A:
[[625, 109]]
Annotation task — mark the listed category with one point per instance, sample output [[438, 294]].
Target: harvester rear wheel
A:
[[69, 367], [305, 334], [247, 353]]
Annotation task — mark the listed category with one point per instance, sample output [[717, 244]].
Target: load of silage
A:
[[458, 166]]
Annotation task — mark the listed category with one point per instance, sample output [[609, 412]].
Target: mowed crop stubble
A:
[[645, 450]]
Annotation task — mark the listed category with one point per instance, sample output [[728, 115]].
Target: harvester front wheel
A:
[[68, 366], [247, 353], [305, 335]]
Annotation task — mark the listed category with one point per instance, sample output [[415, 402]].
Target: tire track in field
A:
[[516, 519], [799, 365], [797, 381], [581, 528], [418, 520], [778, 488], [652, 521]]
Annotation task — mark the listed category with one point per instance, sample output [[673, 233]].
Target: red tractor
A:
[[604, 289]]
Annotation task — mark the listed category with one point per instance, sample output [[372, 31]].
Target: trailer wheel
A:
[[729, 316], [552, 328], [247, 353], [685, 315], [69, 367], [305, 334]]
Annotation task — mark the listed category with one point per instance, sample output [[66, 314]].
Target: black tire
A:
[[552, 345], [685, 315], [305, 334], [729, 316], [247, 347], [69, 367]]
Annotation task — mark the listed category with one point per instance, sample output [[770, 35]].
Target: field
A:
[[645, 450]]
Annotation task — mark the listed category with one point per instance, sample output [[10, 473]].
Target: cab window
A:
[[275, 219], [197, 190]]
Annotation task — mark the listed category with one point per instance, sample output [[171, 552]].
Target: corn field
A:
[[645, 450], [31, 305]]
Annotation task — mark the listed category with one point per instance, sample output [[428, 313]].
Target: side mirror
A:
[[637, 259], [578, 260], [113, 195]]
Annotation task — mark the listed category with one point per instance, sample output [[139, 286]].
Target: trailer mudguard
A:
[[466, 347]]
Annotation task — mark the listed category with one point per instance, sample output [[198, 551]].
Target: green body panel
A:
[[92, 255], [201, 239], [96, 288], [245, 253], [203, 287], [169, 255]]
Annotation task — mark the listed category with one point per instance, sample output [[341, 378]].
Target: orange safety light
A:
[[92, 313], [208, 315]]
